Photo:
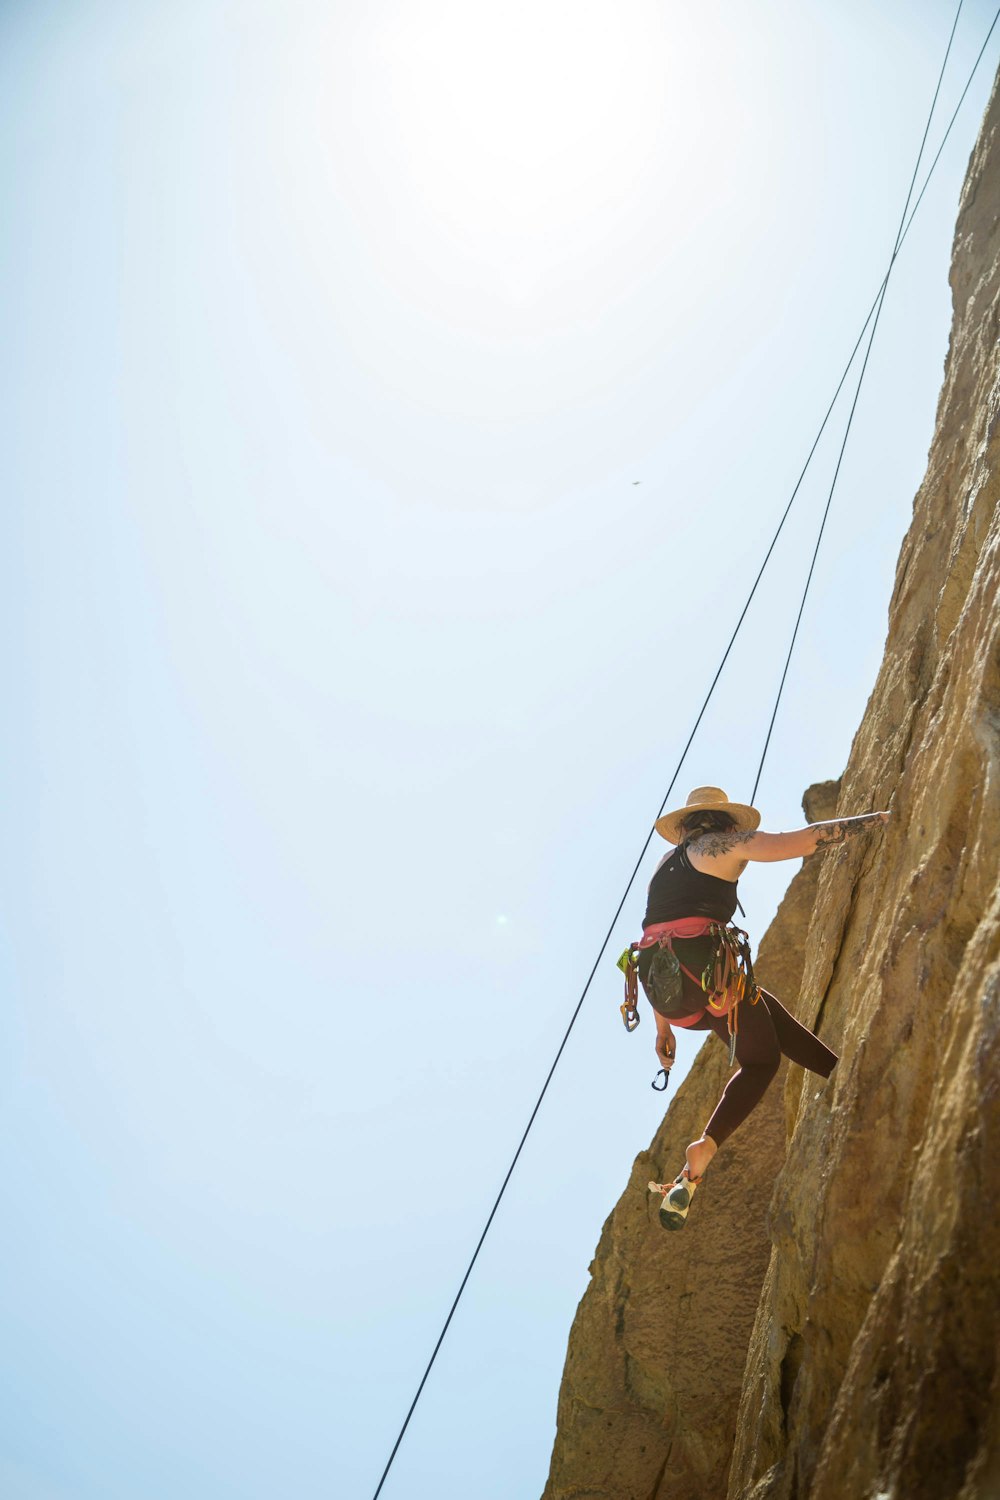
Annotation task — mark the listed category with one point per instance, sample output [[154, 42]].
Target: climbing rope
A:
[[873, 313], [877, 306]]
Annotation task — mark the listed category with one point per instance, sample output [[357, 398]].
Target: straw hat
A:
[[710, 799]]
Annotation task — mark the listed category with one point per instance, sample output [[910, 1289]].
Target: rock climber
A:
[[695, 967]]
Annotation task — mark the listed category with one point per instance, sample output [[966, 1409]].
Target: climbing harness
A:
[[630, 1008], [727, 978]]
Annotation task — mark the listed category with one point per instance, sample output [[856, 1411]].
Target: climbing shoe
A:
[[676, 1199]]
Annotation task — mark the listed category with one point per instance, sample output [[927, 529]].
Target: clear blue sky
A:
[[345, 664]]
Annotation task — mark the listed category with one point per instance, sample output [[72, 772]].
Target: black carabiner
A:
[[661, 1087]]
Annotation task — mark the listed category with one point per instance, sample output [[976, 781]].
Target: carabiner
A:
[[661, 1087]]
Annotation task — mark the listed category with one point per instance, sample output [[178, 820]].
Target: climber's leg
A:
[[796, 1041], [765, 1031], [758, 1054]]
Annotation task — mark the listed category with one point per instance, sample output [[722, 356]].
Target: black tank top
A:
[[679, 890]]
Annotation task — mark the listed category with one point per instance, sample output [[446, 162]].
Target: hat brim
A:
[[745, 818]]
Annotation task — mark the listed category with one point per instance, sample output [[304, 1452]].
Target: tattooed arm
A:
[[839, 830], [728, 854]]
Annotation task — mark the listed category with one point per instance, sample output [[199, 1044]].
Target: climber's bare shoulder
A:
[[723, 855], [726, 855]]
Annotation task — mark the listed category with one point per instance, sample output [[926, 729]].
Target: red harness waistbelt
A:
[[682, 927]]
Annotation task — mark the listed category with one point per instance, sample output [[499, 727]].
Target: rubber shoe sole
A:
[[677, 1198], [680, 1196]]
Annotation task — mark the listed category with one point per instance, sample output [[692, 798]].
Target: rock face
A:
[[843, 1340]]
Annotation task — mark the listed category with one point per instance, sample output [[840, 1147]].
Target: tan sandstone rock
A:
[[865, 1301]]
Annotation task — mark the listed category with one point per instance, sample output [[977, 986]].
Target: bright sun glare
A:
[[522, 119], [517, 169]]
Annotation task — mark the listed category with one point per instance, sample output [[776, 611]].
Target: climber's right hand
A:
[[665, 1052]]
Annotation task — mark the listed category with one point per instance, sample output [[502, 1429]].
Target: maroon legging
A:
[[765, 1031]]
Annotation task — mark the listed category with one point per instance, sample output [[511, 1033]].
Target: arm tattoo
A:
[[713, 844], [842, 829]]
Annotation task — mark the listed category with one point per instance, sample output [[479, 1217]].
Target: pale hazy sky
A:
[[346, 664]]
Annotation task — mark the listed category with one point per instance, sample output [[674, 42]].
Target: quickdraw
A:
[[728, 978], [628, 963]]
